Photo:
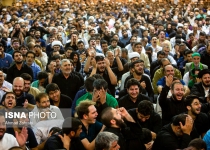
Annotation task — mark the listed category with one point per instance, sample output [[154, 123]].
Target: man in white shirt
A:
[[43, 106], [8, 140], [4, 85]]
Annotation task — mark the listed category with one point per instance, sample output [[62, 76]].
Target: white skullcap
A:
[[133, 54], [56, 43], [21, 20], [100, 54], [91, 17]]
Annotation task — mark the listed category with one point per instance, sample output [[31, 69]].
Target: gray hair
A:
[[63, 61], [104, 140]]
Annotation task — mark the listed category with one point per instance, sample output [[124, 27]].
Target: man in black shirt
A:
[[69, 137], [147, 117], [129, 138], [137, 68], [67, 81], [201, 123], [175, 135], [18, 68], [58, 99], [134, 96]]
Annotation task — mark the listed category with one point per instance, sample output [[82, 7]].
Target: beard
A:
[[138, 73], [206, 85], [18, 62], [120, 123]]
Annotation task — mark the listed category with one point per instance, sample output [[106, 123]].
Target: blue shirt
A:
[[6, 61], [162, 82], [78, 95], [93, 130], [36, 69]]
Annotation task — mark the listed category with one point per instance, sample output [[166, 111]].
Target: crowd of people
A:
[[105, 76]]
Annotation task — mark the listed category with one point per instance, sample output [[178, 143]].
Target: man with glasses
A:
[[58, 99]]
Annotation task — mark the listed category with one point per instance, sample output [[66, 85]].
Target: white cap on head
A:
[[100, 54], [133, 54], [56, 43]]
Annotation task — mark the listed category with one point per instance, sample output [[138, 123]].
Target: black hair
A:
[[42, 75], [13, 55], [145, 108], [78, 65], [136, 62], [30, 52], [51, 87], [179, 118], [89, 84], [100, 83], [40, 96], [189, 99], [71, 124], [26, 76], [198, 144]]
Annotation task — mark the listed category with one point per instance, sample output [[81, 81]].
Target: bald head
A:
[[18, 86], [169, 70]]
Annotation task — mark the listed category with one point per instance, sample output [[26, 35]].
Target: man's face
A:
[[75, 58], [104, 47], [56, 47], [133, 40], [118, 118], [114, 146], [92, 115], [125, 34], [10, 101], [68, 53], [138, 68], [92, 43], [23, 50], [77, 134], [189, 57], [166, 49], [142, 117], [16, 45], [44, 102], [202, 38], [2, 126], [196, 60], [169, 70], [37, 51], [160, 57], [1, 78], [37, 34], [110, 56], [55, 95], [161, 35], [195, 107], [27, 85], [66, 67], [154, 40], [206, 80], [178, 91], [133, 91], [18, 87], [30, 58], [1, 51], [81, 46], [114, 43], [101, 66], [138, 48]]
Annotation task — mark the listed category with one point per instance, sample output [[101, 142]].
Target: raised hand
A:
[[187, 128], [169, 80], [22, 136], [66, 141], [107, 62]]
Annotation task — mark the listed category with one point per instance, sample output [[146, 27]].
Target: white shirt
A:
[[42, 128], [34, 119], [43, 59], [7, 85], [8, 141]]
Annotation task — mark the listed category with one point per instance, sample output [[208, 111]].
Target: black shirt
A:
[[13, 72], [167, 140], [65, 104], [154, 123], [54, 143], [20, 100], [31, 141], [127, 103], [148, 90], [69, 86], [170, 106]]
